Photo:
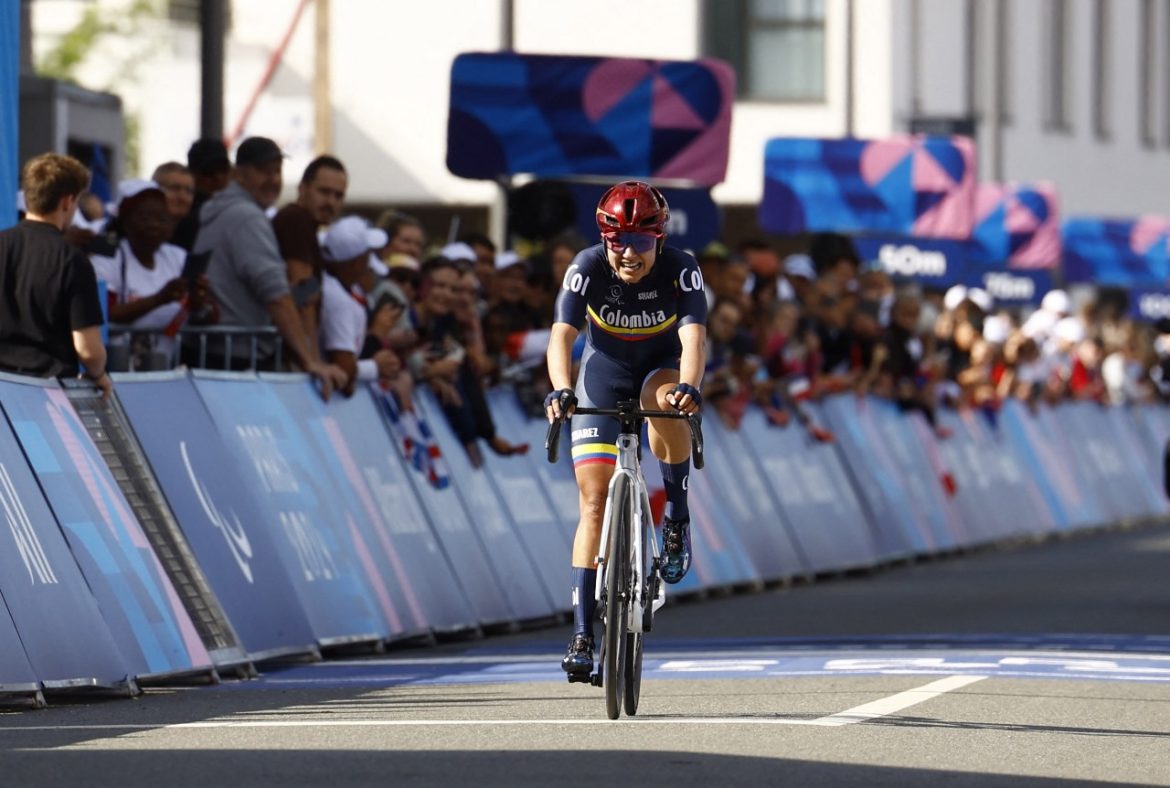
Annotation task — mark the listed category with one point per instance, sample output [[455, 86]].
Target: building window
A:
[[776, 46], [1059, 53], [1148, 60], [1101, 56]]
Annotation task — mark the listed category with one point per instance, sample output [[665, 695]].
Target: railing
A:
[[122, 356]]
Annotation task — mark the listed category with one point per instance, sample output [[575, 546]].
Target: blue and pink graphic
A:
[[910, 184], [1017, 223], [1117, 252], [554, 115], [137, 599]]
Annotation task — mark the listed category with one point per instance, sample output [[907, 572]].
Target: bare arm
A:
[[92, 353], [560, 362], [288, 322]]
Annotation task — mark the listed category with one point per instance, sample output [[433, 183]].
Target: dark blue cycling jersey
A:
[[631, 332], [636, 324]]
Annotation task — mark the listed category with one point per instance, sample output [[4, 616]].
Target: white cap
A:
[[980, 298], [131, 187], [351, 237], [996, 329], [800, 265], [507, 259], [1069, 329], [1039, 324], [953, 297], [1056, 301], [458, 251]]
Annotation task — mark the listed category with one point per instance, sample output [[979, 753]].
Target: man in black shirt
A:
[[50, 316]]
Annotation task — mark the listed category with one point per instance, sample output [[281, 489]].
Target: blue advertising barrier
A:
[[532, 514], [1097, 444], [382, 561], [529, 594], [993, 492], [218, 514], [743, 498], [144, 614], [1056, 435], [376, 474], [16, 674], [297, 504], [814, 496], [1057, 482], [935, 513], [1144, 471], [61, 628], [876, 477]]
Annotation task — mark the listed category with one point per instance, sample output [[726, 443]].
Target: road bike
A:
[[629, 588]]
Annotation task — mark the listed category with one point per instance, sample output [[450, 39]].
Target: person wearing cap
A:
[[248, 276], [51, 323], [344, 317], [211, 169], [143, 274], [320, 195]]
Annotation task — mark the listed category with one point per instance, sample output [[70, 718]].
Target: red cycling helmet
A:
[[633, 207]]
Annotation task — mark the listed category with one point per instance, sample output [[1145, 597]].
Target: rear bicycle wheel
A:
[[617, 603], [633, 672]]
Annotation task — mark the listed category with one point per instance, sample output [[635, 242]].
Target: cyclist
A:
[[645, 312]]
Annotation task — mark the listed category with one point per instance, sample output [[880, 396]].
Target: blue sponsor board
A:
[[298, 504], [1010, 287], [815, 495], [931, 262], [60, 626], [217, 512], [527, 595], [144, 614], [1149, 304], [16, 674], [745, 503]]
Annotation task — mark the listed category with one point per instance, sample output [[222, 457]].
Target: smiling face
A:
[[622, 251]]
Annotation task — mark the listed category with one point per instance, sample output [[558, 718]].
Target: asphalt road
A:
[[1038, 664]]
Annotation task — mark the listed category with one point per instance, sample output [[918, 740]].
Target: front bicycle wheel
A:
[[617, 605], [633, 671]]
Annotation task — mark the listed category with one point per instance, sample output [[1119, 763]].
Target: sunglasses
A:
[[641, 242]]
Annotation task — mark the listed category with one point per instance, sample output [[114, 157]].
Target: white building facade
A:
[[1072, 91]]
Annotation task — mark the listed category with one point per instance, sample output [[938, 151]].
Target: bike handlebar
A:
[[694, 422]]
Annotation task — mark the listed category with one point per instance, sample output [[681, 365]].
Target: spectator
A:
[[178, 184], [145, 286], [346, 249], [443, 364], [211, 169], [485, 257], [405, 234], [51, 322], [248, 276], [320, 195]]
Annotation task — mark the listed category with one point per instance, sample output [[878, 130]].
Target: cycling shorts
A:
[[603, 382]]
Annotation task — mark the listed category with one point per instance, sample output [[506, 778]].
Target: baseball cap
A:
[[208, 154], [257, 151], [1055, 301], [458, 251], [402, 260], [981, 298], [349, 238], [129, 189], [507, 259], [800, 265], [954, 296]]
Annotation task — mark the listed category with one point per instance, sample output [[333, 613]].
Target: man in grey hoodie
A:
[[246, 271]]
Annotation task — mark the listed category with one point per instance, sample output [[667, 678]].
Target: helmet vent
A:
[[630, 204]]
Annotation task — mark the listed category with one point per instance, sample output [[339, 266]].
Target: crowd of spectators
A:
[[357, 302]]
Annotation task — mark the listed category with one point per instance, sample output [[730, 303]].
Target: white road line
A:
[[895, 703], [867, 711]]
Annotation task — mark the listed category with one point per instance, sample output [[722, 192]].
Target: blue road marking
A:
[[1101, 658]]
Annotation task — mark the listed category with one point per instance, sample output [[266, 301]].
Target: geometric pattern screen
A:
[[908, 184], [615, 117]]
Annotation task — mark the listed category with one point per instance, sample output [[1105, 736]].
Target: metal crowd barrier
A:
[[121, 357]]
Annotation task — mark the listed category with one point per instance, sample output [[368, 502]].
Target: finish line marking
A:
[[863, 713]]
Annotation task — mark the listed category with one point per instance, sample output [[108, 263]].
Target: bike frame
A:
[[629, 466]]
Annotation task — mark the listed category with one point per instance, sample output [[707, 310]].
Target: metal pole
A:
[[849, 63], [322, 100], [212, 30]]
